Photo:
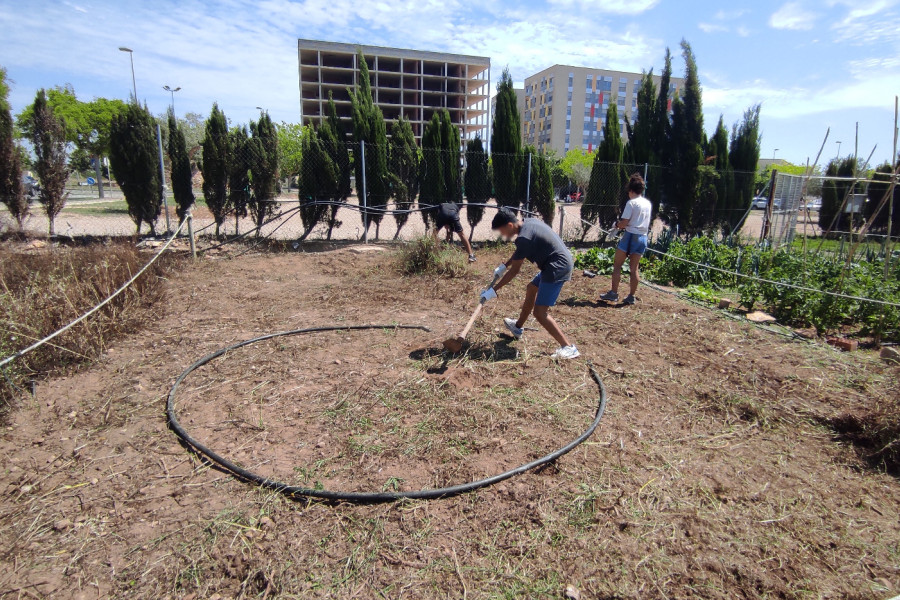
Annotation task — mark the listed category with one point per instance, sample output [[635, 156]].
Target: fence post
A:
[[190, 226], [767, 218], [528, 185], [562, 218], [362, 156], [162, 177]]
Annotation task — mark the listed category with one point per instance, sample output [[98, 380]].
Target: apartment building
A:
[[565, 106], [412, 83]]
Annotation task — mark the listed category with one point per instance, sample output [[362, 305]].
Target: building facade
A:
[[565, 107], [411, 83]]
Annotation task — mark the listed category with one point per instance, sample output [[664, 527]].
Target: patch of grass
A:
[[40, 293], [425, 256], [875, 433]]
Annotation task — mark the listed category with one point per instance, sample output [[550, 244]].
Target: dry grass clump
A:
[[425, 256], [876, 433], [42, 292]]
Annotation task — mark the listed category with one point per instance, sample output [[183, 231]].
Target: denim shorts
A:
[[633, 243], [548, 292]]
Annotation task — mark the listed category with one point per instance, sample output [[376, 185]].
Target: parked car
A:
[[815, 204], [31, 187], [761, 202]]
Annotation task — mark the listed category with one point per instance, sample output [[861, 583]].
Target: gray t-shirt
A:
[[537, 243]]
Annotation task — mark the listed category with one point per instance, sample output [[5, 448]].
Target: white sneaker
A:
[[511, 325], [472, 258], [566, 352]]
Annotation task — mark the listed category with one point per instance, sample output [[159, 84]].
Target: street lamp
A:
[[260, 109], [172, 91], [839, 149], [133, 82], [774, 153]]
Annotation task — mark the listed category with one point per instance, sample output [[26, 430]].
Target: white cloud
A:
[[742, 31], [713, 27], [793, 16], [616, 7]]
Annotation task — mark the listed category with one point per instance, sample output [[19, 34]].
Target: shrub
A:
[[425, 256]]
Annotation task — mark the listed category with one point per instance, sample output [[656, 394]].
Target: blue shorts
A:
[[633, 243], [548, 292]]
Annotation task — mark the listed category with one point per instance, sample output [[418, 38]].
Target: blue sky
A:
[[811, 64]]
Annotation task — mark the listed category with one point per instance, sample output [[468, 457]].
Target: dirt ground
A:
[[713, 474]]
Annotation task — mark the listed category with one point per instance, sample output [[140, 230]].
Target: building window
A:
[[588, 82], [621, 101], [569, 111], [622, 87]]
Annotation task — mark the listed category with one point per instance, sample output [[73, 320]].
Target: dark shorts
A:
[[448, 216], [633, 243], [548, 292]]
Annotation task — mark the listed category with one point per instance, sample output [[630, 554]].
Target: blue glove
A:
[[488, 294], [499, 271]]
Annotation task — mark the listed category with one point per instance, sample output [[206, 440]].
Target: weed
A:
[[425, 256]]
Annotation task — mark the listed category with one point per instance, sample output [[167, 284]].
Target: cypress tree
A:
[[12, 193], [661, 134], [717, 158], [263, 169], [182, 184], [450, 158], [48, 139], [214, 166], [333, 136], [134, 158], [369, 128], [318, 181], [477, 182], [404, 166], [542, 201], [834, 192], [506, 145], [601, 203], [876, 191], [686, 149], [743, 158], [640, 138], [432, 192], [239, 174]]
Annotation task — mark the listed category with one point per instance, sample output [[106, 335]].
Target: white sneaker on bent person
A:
[[566, 353], [513, 329]]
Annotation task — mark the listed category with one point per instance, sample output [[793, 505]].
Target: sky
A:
[[812, 64]]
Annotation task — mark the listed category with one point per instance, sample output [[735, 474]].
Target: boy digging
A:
[[448, 216], [536, 242], [636, 223]]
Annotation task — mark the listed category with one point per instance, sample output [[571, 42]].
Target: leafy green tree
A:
[[290, 145], [133, 155], [684, 178], [432, 191], [876, 192], [661, 134], [477, 182], [835, 192], [450, 158], [404, 167], [48, 140], [12, 193], [239, 174], [717, 157], [263, 169], [369, 129], [182, 181], [606, 186], [318, 181], [506, 145], [216, 152], [743, 158], [577, 165], [333, 136], [541, 190]]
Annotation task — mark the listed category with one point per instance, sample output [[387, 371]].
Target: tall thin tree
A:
[[318, 181], [743, 159], [334, 138], [432, 192], [182, 181], [48, 139], [216, 152], [477, 183], [404, 166], [506, 144], [601, 203], [239, 174], [450, 158], [263, 169], [134, 158], [12, 193]]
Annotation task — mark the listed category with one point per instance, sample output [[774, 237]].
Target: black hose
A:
[[359, 497]]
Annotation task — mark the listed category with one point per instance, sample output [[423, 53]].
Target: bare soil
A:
[[714, 472]]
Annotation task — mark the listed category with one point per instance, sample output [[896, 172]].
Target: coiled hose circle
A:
[[357, 497]]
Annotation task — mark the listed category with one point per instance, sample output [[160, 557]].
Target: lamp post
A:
[[133, 82], [839, 149], [172, 91], [260, 109], [774, 153]]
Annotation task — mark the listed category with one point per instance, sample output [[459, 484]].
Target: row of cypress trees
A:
[[698, 183]]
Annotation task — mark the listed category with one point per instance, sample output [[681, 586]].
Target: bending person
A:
[[448, 217], [636, 223], [538, 243]]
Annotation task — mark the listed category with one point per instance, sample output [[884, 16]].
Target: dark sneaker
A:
[[472, 258], [610, 296], [629, 300]]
